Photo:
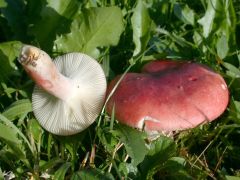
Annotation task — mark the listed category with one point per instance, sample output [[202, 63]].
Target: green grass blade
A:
[[17, 109], [10, 124]]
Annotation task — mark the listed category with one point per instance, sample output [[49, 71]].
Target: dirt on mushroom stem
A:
[[43, 71]]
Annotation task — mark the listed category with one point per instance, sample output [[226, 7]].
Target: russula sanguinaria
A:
[[69, 91], [168, 96]]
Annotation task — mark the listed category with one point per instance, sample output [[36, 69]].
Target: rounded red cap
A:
[[169, 96]]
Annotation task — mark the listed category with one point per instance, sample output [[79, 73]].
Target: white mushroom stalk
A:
[[70, 90]]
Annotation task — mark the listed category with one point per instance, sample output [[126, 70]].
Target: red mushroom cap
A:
[[169, 96]]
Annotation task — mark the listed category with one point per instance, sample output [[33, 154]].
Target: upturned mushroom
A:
[[168, 96], [69, 91]]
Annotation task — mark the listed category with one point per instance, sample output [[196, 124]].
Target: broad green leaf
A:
[[160, 150], [8, 53], [174, 168], [10, 137], [227, 20], [219, 26], [184, 13], [222, 47], [107, 139], [91, 174], [8, 134], [207, 20], [49, 164], [197, 38], [35, 129], [55, 19], [3, 3], [95, 27], [141, 24], [7, 157], [232, 71], [128, 168], [11, 50], [176, 38], [17, 109], [232, 177], [174, 162], [134, 143], [16, 130], [13, 152], [220, 19], [8, 90], [61, 172]]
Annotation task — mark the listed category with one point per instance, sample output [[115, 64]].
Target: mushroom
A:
[[69, 91], [168, 96]]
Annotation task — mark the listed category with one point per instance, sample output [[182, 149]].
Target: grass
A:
[[122, 35]]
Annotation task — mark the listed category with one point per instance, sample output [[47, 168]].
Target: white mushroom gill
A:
[[70, 90]]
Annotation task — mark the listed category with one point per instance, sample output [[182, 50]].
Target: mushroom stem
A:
[[43, 71]]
